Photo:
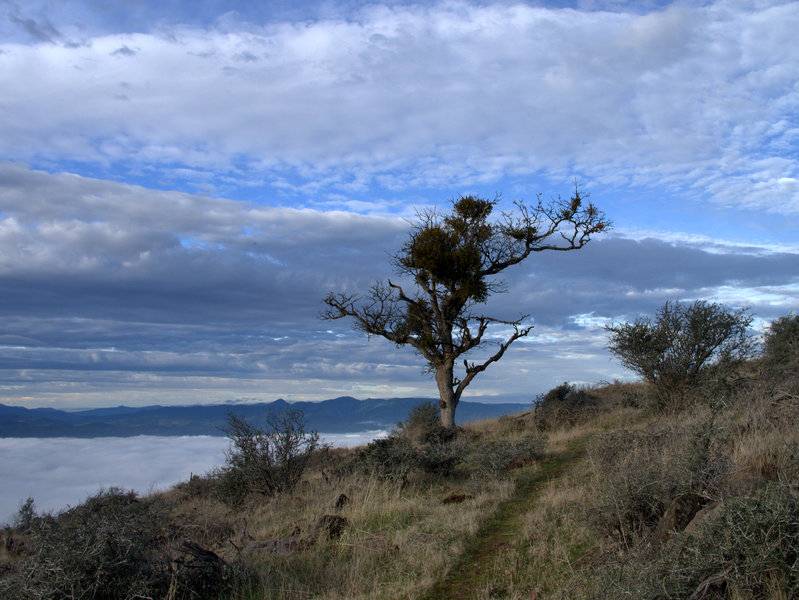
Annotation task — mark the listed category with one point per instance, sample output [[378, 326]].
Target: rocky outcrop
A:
[[680, 512]]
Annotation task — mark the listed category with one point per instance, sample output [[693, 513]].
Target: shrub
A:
[[684, 343], [391, 458], [112, 547], [636, 474], [441, 458], [748, 550], [781, 347], [492, 459], [26, 515], [563, 406], [268, 460], [423, 426]]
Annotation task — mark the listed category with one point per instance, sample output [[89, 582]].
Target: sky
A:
[[181, 183]]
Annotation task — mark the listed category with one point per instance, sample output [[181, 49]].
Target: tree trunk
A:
[[446, 391]]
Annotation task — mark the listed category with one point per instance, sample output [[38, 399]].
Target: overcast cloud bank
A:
[[61, 472], [118, 294]]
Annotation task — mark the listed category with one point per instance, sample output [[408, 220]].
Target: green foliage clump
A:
[[419, 442], [392, 458], [266, 460], [422, 443], [493, 459], [685, 346], [748, 548], [423, 426]]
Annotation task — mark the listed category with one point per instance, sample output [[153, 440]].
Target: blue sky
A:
[[182, 182]]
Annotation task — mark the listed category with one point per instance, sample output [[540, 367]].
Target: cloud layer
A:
[[61, 472], [400, 98], [115, 293]]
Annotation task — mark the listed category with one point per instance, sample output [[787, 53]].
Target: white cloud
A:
[[429, 96]]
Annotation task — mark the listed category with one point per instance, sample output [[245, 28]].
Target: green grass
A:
[[476, 569]]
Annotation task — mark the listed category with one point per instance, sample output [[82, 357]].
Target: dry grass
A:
[[398, 542], [402, 539]]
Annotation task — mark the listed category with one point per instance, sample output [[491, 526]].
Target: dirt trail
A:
[[475, 567]]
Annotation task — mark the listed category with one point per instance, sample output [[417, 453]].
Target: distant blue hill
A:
[[340, 415]]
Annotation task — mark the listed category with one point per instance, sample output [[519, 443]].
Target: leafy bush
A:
[[684, 343], [440, 459], [26, 515], [492, 459], [781, 347], [748, 549], [268, 460], [419, 442], [391, 458], [423, 426]]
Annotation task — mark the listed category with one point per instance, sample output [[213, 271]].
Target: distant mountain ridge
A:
[[339, 415]]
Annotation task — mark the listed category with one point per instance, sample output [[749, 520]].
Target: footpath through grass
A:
[[475, 569]]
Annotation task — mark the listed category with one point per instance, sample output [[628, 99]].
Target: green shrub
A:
[[685, 346], [748, 549], [781, 345], [493, 459], [440, 459], [389, 459], [423, 426]]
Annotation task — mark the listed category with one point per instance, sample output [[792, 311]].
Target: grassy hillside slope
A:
[[593, 495]]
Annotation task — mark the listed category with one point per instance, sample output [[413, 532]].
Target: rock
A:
[[201, 569], [331, 526], [705, 514], [456, 498], [342, 501], [677, 516], [280, 547]]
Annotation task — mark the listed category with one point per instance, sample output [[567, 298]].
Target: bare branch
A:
[[473, 369]]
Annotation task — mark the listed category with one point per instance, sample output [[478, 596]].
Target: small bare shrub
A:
[[267, 461]]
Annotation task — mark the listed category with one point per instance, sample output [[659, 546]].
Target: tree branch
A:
[[473, 369]]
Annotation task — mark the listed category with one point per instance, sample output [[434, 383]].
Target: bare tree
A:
[[451, 260]]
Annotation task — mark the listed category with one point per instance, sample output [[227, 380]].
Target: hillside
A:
[[593, 496]]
